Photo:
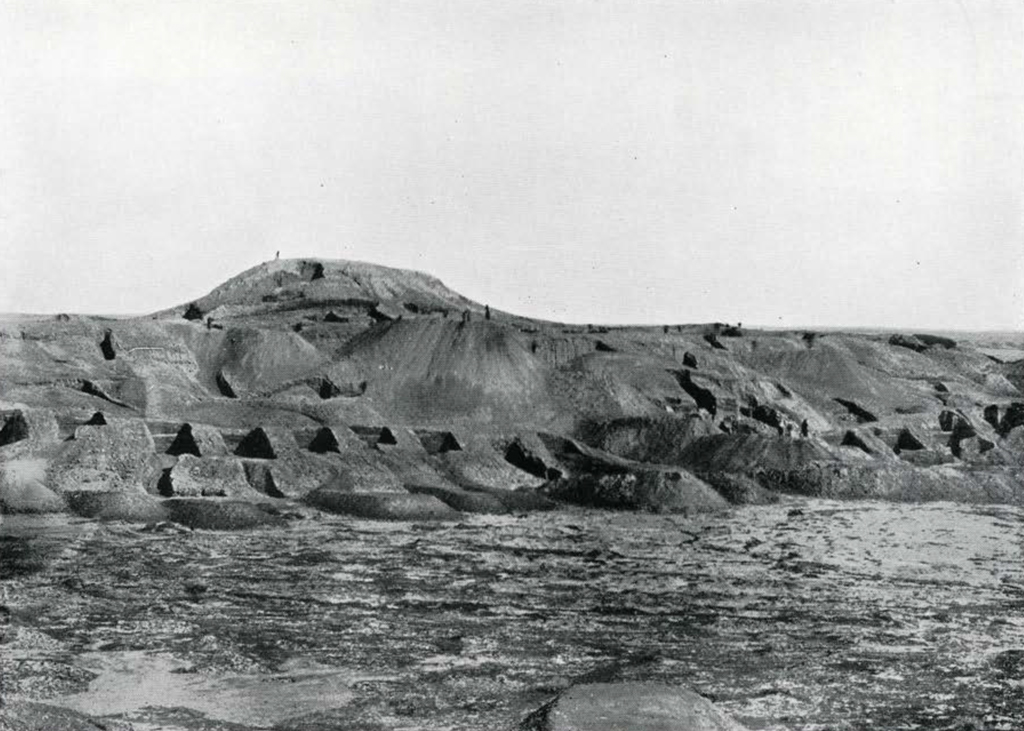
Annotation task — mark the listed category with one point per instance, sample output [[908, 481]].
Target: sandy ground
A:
[[805, 615]]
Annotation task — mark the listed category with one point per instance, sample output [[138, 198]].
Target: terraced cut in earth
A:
[[809, 614]]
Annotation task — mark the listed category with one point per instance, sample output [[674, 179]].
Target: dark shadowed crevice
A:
[[369, 434], [962, 430], [261, 478], [387, 437], [766, 415], [311, 271], [97, 419], [88, 387], [193, 312], [906, 441], [107, 346], [863, 415], [164, 485], [908, 341], [324, 441], [936, 340], [991, 415], [224, 387], [853, 439], [712, 340], [379, 313], [326, 389], [184, 443], [438, 442], [518, 456], [947, 419], [256, 444], [704, 398], [15, 429], [1012, 418]]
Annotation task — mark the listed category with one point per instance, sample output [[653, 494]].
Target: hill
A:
[[303, 344]]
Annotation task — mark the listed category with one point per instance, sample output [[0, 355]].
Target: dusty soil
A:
[[803, 615]]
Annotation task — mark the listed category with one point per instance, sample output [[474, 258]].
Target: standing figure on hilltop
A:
[[487, 312], [804, 429], [277, 255]]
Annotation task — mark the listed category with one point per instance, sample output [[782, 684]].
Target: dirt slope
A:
[[432, 370]]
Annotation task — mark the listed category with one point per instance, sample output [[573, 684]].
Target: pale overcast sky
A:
[[781, 162]]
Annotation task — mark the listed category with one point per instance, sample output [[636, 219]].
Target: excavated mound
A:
[[308, 345], [437, 370]]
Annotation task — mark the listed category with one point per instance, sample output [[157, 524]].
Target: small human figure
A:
[[487, 312], [278, 255], [209, 323], [804, 428]]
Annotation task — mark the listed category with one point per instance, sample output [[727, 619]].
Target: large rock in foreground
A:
[[629, 707]]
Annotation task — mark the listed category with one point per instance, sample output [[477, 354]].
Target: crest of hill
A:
[[306, 283]]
